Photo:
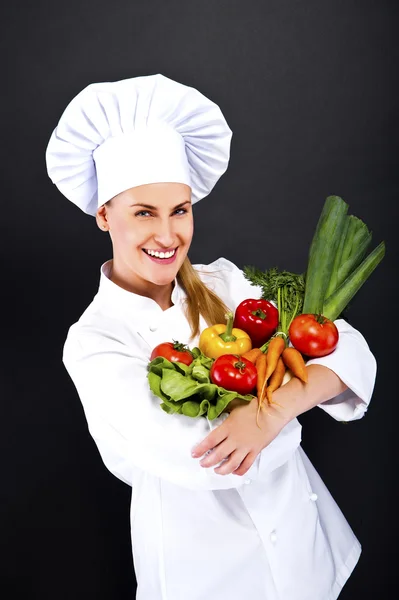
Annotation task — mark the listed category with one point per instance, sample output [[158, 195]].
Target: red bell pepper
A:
[[258, 318]]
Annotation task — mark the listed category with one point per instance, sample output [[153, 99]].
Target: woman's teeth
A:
[[161, 254]]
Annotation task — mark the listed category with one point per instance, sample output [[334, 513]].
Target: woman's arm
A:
[[239, 439], [296, 397], [125, 419], [356, 366]]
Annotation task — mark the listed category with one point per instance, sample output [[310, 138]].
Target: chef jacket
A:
[[275, 533]]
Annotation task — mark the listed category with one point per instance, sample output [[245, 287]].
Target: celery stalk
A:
[[322, 253], [336, 303]]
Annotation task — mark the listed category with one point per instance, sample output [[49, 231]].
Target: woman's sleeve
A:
[[125, 419], [230, 282], [356, 366]]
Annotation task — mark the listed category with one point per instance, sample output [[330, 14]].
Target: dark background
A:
[[310, 92]]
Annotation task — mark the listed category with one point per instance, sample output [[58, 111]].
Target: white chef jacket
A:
[[273, 534]]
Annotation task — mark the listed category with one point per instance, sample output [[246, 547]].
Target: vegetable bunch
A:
[[261, 344], [308, 303]]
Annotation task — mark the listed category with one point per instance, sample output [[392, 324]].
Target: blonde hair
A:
[[200, 299]]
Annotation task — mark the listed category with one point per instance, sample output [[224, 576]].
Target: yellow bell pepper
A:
[[224, 339]]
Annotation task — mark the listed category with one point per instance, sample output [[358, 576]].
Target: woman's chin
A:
[[162, 274], [164, 279]]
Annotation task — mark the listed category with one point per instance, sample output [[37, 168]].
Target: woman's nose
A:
[[164, 235]]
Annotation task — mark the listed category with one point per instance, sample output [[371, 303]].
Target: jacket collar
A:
[[118, 296]]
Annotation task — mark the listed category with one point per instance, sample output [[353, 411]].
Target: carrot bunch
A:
[[271, 366]]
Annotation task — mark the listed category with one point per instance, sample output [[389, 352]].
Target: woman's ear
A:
[[101, 218]]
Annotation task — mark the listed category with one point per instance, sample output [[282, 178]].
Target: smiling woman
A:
[[137, 154]]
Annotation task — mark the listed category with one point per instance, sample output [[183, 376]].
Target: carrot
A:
[[252, 355], [276, 379], [293, 359], [261, 365], [276, 347]]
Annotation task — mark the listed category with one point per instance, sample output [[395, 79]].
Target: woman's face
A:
[[146, 220]]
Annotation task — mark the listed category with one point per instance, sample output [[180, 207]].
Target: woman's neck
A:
[[162, 295]]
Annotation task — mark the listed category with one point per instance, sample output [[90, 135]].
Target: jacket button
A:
[[313, 497], [273, 537], [247, 481], [153, 327]]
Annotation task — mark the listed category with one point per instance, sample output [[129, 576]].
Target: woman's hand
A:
[[239, 439]]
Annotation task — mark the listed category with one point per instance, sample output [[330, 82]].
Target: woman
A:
[[252, 516]]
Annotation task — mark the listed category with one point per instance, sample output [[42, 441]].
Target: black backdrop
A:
[[310, 92]]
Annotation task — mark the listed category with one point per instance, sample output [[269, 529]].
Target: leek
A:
[[358, 252], [322, 253], [349, 239], [336, 303], [337, 261]]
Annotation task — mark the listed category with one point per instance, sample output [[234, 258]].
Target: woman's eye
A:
[[144, 213]]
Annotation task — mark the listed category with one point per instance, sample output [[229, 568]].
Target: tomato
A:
[[313, 335], [234, 373], [173, 351]]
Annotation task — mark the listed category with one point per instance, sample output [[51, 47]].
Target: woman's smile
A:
[[161, 257]]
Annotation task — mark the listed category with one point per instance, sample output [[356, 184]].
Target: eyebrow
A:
[[155, 208]]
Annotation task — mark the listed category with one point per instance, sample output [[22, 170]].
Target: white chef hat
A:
[[116, 135]]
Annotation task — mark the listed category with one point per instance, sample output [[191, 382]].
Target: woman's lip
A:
[[164, 261]]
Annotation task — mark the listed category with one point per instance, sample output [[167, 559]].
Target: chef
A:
[[223, 509]]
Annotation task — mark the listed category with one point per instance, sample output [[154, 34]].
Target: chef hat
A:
[[116, 135]]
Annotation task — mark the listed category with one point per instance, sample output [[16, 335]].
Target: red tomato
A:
[[234, 373], [173, 351], [313, 335]]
